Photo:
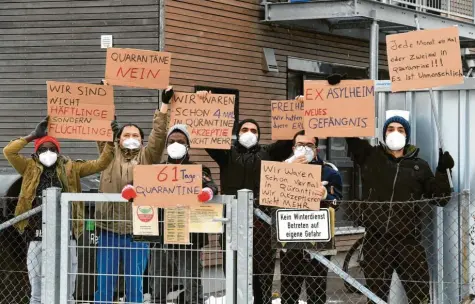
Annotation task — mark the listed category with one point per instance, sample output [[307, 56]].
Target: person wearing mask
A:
[[114, 219], [240, 168], [47, 168], [184, 260], [395, 177], [296, 266]]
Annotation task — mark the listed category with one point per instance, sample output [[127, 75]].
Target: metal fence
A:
[[390, 250], [358, 263]]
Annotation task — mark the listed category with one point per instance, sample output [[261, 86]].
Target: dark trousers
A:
[[169, 268], [382, 255], [263, 263], [296, 267]]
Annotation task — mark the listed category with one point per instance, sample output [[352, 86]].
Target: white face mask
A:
[[304, 151], [176, 151], [131, 144], [248, 139], [48, 158], [395, 141]]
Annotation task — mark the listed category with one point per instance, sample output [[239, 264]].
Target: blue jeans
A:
[[112, 247]]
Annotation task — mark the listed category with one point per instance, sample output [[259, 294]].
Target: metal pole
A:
[[20, 217], [64, 262], [374, 50], [436, 118], [231, 247], [50, 252], [245, 201]]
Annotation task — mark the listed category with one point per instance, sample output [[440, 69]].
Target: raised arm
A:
[[359, 149], [90, 167], [334, 186], [158, 136], [115, 130], [208, 181], [438, 186], [12, 150], [279, 150], [219, 156]]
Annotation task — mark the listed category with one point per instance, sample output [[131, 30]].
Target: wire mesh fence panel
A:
[[392, 249], [20, 255], [114, 265]]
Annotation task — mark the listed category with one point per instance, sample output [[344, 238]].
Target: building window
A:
[[234, 92]]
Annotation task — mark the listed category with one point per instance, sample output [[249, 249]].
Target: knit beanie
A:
[[179, 128], [403, 122], [44, 139]]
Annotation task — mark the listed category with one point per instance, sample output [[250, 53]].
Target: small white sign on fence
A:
[[303, 225]]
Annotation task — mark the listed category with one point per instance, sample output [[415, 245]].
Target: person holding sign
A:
[[296, 266], [393, 172], [187, 262], [45, 169], [114, 219], [240, 168]]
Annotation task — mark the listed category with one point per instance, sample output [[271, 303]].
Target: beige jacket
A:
[[117, 216]]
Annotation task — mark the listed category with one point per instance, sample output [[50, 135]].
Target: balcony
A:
[[353, 18]]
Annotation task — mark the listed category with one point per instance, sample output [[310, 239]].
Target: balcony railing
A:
[[455, 9]]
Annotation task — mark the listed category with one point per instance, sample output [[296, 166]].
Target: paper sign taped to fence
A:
[[424, 59], [342, 110], [145, 220], [210, 120], [201, 218], [292, 186], [303, 226], [80, 110], [138, 68], [287, 118], [177, 225], [167, 185]]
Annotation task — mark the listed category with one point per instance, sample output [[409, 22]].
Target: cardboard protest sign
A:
[[80, 110], [201, 218], [290, 186], [287, 118], [145, 220], [167, 185], [343, 110], [138, 68], [210, 120], [424, 59], [177, 226]]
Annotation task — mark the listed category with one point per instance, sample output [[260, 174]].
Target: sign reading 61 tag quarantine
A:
[[167, 185]]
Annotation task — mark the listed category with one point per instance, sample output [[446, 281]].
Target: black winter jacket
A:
[[240, 168], [395, 183]]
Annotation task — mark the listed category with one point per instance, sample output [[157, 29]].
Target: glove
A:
[[167, 95], [205, 195], [335, 78], [128, 192], [445, 161], [115, 127], [40, 130]]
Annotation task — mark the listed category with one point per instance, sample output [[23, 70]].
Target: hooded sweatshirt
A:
[[240, 167]]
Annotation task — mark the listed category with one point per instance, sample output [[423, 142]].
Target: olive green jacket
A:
[[117, 216], [69, 173]]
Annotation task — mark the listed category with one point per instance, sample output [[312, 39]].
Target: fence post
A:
[[50, 246], [244, 210]]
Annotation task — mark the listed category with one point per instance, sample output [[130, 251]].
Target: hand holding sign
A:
[[167, 185], [40, 129]]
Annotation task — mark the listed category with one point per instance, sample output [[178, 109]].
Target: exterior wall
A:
[[218, 43], [60, 40]]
